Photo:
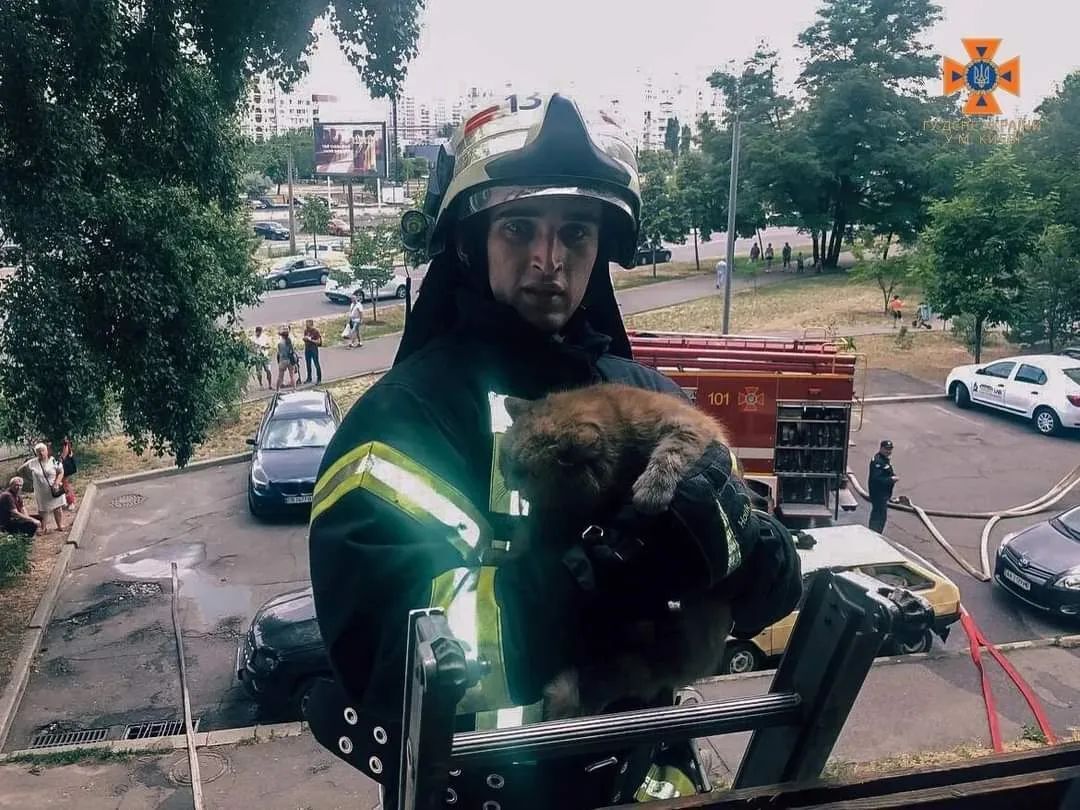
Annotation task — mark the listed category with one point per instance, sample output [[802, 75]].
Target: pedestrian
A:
[[14, 518], [721, 273], [71, 466], [262, 357], [896, 307], [799, 263], [48, 476], [786, 255], [755, 252], [287, 361], [517, 301], [768, 257], [312, 342], [356, 322], [881, 482]]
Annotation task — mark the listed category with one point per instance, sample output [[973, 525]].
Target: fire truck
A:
[[788, 406]]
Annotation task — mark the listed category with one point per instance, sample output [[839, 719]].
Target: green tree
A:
[[271, 156], [1048, 309], [314, 217], [686, 139], [120, 174], [662, 216], [1051, 153], [693, 184], [975, 241], [372, 256], [873, 263], [671, 136]]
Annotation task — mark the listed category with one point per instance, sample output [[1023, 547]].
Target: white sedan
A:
[[1042, 387], [342, 293]]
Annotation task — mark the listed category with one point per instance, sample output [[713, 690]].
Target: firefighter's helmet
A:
[[531, 147]]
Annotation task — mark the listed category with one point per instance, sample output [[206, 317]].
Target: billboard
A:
[[351, 150]]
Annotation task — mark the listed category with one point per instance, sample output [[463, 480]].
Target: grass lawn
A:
[[391, 319], [828, 300], [932, 355]]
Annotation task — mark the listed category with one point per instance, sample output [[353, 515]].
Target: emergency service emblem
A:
[[751, 398]]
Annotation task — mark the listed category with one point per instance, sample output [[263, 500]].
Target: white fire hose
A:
[[1040, 504]]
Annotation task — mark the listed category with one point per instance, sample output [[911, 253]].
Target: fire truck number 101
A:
[[721, 398]]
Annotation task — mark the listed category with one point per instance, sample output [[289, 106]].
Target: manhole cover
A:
[[126, 501]]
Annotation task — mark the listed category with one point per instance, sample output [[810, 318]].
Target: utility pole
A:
[[352, 223], [292, 213], [732, 189]]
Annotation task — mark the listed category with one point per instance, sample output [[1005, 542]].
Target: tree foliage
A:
[[314, 217], [120, 174], [671, 136], [1048, 308], [662, 216], [372, 256], [271, 156], [874, 264], [975, 242]]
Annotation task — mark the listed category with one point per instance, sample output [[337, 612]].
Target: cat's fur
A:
[[577, 456]]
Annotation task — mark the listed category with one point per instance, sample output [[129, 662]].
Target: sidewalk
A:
[[921, 704]]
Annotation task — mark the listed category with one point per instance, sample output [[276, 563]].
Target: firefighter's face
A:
[[540, 255]]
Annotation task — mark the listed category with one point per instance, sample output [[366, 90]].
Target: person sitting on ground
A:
[[14, 518]]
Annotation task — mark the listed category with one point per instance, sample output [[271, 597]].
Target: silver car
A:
[[342, 293]]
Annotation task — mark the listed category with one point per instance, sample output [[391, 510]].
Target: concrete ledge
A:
[[266, 394], [203, 739], [165, 472]]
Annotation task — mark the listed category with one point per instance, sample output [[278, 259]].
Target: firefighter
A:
[[526, 206], [881, 481]]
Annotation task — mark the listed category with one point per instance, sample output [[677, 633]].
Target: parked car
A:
[[325, 247], [1040, 565], [282, 656], [645, 255], [338, 227], [288, 447], [1044, 388], [342, 293], [855, 548], [295, 272], [274, 231]]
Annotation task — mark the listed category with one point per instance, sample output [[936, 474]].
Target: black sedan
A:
[[297, 272], [283, 656], [289, 446], [1041, 564], [271, 230]]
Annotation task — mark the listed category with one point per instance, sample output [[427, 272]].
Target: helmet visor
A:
[[486, 198]]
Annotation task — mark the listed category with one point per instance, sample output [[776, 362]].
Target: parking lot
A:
[[109, 657]]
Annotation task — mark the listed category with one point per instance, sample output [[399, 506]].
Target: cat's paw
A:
[[653, 492], [562, 698]]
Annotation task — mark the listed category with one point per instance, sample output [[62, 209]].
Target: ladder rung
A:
[[626, 729]]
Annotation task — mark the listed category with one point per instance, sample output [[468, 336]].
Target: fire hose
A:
[[977, 641]]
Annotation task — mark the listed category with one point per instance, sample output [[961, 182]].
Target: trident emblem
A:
[[981, 76]]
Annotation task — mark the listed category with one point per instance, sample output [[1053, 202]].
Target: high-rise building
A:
[[271, 111]]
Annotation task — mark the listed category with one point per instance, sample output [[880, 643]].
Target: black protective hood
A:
[[435, 312]]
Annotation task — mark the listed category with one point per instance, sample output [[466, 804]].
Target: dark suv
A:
[[296, 272], [271, 230], [645, 255], [289, 447]]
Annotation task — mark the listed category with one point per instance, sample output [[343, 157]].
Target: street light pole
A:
[[732, 189], [292, 214]]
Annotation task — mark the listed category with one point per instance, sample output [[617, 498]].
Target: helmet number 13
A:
[[530, 103]]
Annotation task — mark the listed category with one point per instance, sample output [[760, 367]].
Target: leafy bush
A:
[[14, 556]]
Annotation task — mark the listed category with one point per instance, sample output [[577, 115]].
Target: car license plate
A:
[[1016, 579], [297, 499]]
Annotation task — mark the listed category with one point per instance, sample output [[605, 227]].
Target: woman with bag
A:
[[48, 476], [67, 460], [356, 322]]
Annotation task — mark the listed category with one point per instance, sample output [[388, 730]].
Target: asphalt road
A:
[[972, 460]]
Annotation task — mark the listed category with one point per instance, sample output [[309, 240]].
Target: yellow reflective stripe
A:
[[468, 597], [392, 476], [665, 782]]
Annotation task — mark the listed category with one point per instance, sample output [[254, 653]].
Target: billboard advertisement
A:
[[351, 150]]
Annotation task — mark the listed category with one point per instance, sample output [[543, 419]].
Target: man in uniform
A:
[[525, 208], [881, 482]]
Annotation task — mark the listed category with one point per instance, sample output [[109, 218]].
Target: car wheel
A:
[[302, 696], [960, 395], [920, 645], [665, 256], [400, 291], [281, 283], [253, 507], [740, 658], [323, 279], [1046, 421]]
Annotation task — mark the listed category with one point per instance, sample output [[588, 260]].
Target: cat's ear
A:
[[517, 407]]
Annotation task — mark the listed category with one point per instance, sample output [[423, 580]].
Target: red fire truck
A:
[[786, 403]]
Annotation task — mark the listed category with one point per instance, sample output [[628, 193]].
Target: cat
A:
[[576, 456]]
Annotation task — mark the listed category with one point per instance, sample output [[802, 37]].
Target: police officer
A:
[[882, 480], [525, 208]]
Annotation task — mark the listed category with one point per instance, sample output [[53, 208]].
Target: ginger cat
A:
[[576, 457]]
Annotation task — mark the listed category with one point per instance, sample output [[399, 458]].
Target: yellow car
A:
[[855, 548]]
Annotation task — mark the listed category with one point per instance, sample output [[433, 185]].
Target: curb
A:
[[1068, 642], [903, 398], [326, 381], [165, 472], [20, 673], [203, 739]]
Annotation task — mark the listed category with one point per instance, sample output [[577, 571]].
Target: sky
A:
[[603, 44]]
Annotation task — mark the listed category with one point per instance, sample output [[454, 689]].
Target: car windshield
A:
[[1069, 523], [1073, 374], [300, 431]]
